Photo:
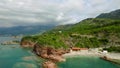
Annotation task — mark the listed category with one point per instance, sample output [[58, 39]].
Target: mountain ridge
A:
[[111, 15], [24, 30]]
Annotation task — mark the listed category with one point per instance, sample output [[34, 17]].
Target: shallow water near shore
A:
[[86, 62], [14, 56]]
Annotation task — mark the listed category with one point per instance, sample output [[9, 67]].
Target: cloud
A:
[[38, 12]]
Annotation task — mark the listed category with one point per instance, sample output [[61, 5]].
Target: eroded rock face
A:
[[49, 64], [27, 43], [49, 53]]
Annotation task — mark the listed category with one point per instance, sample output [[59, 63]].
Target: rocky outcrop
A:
[[50, 53], [27, 43]]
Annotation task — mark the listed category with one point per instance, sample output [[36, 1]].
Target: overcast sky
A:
[[34, 12]]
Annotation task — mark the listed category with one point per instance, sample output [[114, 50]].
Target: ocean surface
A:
[[14, 56], [87, 62]]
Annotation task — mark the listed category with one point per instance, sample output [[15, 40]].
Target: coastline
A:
[[111, 57], [78, 53]]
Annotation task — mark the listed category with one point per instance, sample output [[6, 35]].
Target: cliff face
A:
[[43, 51], [49, 53], [27, 43]]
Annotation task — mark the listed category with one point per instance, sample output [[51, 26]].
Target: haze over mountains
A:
[[24, 30], [34, 29]]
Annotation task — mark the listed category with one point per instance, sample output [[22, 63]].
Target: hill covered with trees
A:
[[90, 33]]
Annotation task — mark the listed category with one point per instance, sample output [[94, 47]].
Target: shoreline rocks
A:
[[111, 60], [51, 54], [27, 43]]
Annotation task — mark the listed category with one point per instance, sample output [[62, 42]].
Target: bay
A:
[[87, 62]]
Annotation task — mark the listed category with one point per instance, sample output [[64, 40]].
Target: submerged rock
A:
[[29, 58], [49, 64], [24, 65]]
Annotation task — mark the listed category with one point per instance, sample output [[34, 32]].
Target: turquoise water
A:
[[14, 56], [87, 62]]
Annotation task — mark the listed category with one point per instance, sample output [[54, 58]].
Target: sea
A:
[[14, 56]]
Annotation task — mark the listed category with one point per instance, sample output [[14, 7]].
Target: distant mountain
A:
[[24, 30], [112, 15]]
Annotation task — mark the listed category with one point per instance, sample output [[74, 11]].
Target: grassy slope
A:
[[87, 33]]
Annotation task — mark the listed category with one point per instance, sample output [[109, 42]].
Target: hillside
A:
[[90, 33], [112, 15], [87, 33]]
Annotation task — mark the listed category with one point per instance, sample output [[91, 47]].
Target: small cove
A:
[[86, 62]]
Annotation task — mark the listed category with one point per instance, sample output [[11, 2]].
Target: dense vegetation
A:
[[87, 33], [113, 49], [91, 32]]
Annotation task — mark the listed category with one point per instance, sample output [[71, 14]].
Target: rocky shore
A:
[[112, 57], [26, 43], [51, 54]]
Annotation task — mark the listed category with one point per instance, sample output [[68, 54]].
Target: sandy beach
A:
[[78, 53], [112, 56]]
